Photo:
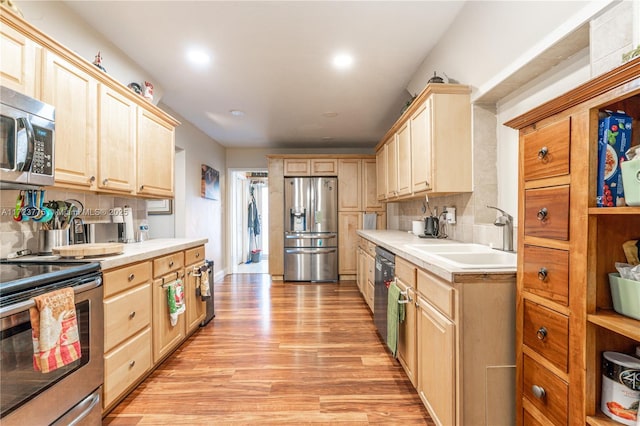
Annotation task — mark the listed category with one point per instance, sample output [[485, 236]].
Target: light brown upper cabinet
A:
[[297, 167], [429, 147], [369, 190], [20, 61], [324, 167], [116, 141], [349, 184], [381, 173], [155, 155], [74, 94]]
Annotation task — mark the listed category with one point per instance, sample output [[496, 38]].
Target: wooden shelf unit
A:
[[594, 242]]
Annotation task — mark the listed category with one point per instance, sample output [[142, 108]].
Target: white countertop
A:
[[398, 242], [133, 252]]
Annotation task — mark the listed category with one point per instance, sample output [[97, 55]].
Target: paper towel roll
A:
[[128, 224]]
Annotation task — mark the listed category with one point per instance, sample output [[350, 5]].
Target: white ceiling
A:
[[272, 60]]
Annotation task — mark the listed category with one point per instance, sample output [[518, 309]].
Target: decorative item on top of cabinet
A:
[[558, 150]]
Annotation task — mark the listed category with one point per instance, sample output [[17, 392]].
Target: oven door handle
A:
[[24, 306]]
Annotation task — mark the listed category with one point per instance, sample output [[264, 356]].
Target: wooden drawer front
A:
[[554, 403], [128, 277], [438, 292], [126, 314], [546, 151], [166, 264], [529, 420], [296, 167], [194, 255], [324, 167], [546, 213], [547, 332], [371, 248], [406, 272], [125, 365], [546, 273]]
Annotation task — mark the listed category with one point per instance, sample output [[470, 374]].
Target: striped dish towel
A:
[[54, 330]]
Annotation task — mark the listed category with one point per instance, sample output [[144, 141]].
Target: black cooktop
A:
[[19, 276]]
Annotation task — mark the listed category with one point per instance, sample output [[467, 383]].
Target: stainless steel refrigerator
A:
[[311, 229]]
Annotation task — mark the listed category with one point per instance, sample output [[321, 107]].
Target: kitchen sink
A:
[[451, 248], [480, 260]]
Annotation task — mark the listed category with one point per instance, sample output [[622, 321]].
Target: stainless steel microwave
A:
[[27, 130]]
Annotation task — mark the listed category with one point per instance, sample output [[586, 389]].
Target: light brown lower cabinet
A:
[[138, 333], [457, 343]]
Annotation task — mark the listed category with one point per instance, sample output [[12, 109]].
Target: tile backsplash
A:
[[98, 209]]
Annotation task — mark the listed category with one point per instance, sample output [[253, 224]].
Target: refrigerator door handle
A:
[[310, 251], [309, 236]]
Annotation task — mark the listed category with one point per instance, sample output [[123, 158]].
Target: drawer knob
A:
[[543, 152], [542, 274], [541, 333], [197, 255], [131, 277], [132, 363], [132, 315], [538, 391], [542, 214], [170, 264]]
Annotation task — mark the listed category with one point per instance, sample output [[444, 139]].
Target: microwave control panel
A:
[[43, 153]]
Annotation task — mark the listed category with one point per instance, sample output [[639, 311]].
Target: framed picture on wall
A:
[[160, 206], [210, 183]]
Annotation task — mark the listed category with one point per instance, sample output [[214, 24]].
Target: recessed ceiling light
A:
[[198, 57], [342, 61], [236, 113], [329, 114]]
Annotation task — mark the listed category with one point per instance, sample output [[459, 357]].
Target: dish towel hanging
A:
[[175, 299], [205, 291], [54, 330], [369, 220], [395, 314]]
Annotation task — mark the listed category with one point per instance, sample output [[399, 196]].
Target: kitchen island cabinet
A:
[[196, 308], [464, 336]]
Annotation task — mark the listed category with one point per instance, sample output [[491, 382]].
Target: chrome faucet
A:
[[505, 221]]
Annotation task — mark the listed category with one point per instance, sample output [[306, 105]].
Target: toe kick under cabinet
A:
[[138, 334]]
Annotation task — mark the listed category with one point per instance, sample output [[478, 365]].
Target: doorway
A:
[[249, 218]]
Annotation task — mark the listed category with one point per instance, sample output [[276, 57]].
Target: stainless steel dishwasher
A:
[[385, 271]]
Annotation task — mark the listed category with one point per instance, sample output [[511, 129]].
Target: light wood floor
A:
[[278, 353]]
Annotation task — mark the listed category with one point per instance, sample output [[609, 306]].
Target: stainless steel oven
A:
[[70, 394], [26, 141]]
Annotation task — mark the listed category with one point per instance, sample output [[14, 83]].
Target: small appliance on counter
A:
[[431, 227]]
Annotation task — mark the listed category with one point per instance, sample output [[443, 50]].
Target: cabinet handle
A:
[[132, 315], [542, 214], [543, 152], [538, 391], [132, 363], [141, 187], [131, 277], [197, 255], [542, 274], [92, 179], [105, 182], [541, 333], [171, 264]]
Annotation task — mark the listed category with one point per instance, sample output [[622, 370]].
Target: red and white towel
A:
[[54, 325]]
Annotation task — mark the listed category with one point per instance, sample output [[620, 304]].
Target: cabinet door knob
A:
[[105, 182], [132, 363], [541, 333], [543, 152], [542, 214], [132, 315], [170, 264], [542, 274], [92, 179], [538, 391], [197, 255], [131, 277]]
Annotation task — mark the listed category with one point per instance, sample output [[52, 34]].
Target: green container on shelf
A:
[[625, 295]]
